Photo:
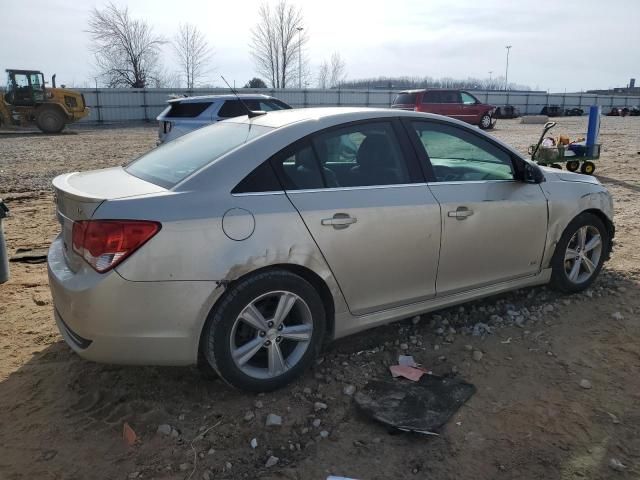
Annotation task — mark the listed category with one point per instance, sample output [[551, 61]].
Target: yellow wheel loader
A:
[[27, 102]]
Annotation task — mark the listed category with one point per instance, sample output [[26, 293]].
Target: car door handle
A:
[[339, 220], [461, 213]]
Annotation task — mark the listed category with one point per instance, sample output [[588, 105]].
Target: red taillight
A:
[[106, 243]]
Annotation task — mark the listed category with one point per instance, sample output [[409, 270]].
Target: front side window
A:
[[172, 162], [468, 99], [361, 155], [458, 155], [298, 168]]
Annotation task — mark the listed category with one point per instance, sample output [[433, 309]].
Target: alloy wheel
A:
[[271, 334], [582, 257]]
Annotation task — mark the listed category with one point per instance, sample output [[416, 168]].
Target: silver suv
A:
[[186, 114]]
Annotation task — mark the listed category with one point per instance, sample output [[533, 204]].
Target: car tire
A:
[[264, 359], [485, 122], [50, 120], [572, 249]]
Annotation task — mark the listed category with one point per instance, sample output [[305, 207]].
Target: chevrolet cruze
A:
[[245, 245]]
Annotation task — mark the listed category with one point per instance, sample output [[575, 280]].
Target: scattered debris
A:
[[273, 420], [165, 429], [249, 416], [586, 384], [271, 461], [184, 467], [406, 361], [316, 423], [254, 443], [319, 406], [195, 455], [324, 434], [411, 373], [480, 329], [349, 390], [614, 418], [477, 355], [617, 465], [617, 316], [30, 255], [415, 320], [258, 404], [507, 341], [128, 435], [422, 407]]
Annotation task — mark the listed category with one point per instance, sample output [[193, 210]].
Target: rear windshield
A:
[[405, 99], [174, 161], [187, 109]]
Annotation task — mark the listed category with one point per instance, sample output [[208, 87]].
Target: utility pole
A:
[[506, 73], [299, 56]]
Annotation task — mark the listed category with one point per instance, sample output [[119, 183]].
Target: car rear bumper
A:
[[108, 319]]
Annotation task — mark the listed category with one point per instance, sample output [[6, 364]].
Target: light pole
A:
[[299, 56], [490, 79], [506, 73]]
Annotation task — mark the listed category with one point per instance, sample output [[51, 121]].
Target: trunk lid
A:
[[79, 194]]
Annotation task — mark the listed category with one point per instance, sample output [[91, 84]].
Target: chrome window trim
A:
[[253, 194], [463, 182]]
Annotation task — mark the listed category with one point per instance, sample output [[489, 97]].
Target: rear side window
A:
[[405, 99], [174, 161], [262, 179], [187, 109], [431, 97], [449, 96], [298, 168], [233, 108]]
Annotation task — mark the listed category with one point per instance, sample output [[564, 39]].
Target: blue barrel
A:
[[593, 130]]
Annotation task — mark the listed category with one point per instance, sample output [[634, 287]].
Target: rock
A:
[[349, 390], [415, 320], [617, 316], [304, 430], [181, 417], [134, 475], [207, 475], [477, 355], [211, 451], [306, 391], [184, 467], [480, 329], [586, 384], [324, 434], [258, 404], [228, 466], [316, 423], [319, 406], [175, 433], [377, 440], [165, 429], [271, 461], [249, 416], [617, 465], [468, 347], [254, 443], [404, 346], [450, 338], [273, 420], [440, 331]]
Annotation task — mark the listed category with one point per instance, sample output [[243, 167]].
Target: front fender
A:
[[563, 208]]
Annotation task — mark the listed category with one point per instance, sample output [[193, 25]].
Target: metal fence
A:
[[128, 104]]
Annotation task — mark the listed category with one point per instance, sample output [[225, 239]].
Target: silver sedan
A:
[[245, 245]]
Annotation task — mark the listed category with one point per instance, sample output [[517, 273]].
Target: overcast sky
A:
[[557, 44]]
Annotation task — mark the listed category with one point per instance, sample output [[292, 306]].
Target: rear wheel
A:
[[588, 168], [265, 332], [485, 121], [50, 120], [579, 254], [573, 165]]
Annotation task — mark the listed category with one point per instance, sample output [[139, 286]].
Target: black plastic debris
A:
[[422, 407], [30, 255]]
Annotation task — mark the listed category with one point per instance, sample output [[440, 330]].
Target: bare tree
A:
[[278, 41], [126, 50], [338, 70], [323, 75], [193, 52]]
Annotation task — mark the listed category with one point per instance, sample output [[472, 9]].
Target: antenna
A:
[[250, 113]]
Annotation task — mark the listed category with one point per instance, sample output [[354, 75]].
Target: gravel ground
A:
[[557, 377]]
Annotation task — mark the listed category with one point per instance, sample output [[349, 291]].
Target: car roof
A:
[[208, 98], [327, 116]]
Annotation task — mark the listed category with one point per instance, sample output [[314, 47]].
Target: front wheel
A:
[[50, 120], [485, 121], [266, 331], [579, 254]]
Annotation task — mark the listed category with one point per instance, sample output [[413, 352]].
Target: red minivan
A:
[[452, 103]]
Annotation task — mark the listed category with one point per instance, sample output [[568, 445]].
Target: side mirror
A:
[[532, 173]]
